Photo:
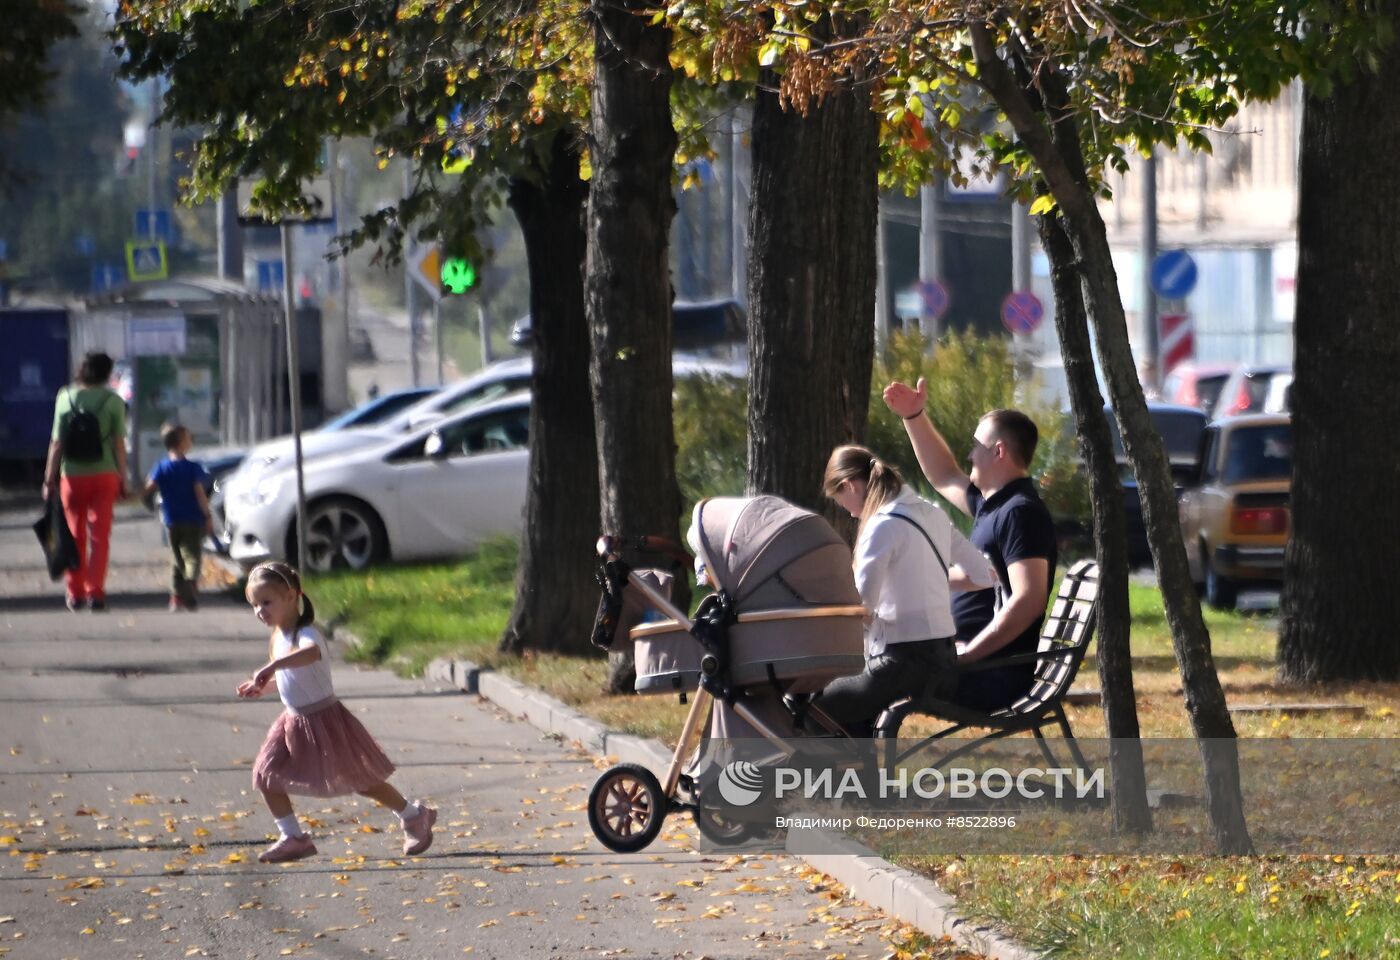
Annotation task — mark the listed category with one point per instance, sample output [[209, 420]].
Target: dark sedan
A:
[[1180, 428]]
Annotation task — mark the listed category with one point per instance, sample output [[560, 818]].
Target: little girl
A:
[[316, 747]]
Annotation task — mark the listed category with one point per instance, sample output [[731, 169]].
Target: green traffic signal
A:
[[458, 274]]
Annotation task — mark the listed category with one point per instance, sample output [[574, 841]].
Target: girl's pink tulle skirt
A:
[[327, 753]]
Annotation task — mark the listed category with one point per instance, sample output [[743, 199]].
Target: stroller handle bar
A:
[[609, 545], [660, 600]]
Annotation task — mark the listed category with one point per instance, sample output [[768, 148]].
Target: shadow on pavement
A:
[[119, 602]]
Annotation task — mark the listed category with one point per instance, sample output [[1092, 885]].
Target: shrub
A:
[[967, 376], [711, 418]]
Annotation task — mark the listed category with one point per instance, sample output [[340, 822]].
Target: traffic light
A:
[[458, 275]]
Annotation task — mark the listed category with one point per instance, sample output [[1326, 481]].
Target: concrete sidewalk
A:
[[129, 828]]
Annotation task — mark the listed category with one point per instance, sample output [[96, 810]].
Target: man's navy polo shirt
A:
[[1014, 524]]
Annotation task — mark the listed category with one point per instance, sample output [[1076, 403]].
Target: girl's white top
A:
[[303, 686], [899, 579]]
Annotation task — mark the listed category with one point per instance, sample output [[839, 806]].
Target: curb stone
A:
[[898, 892]]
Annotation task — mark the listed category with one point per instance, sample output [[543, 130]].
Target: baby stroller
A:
[[783, 621]]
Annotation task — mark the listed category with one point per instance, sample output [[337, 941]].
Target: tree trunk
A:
[[555, 595], [811, 261], [1129, 792], [1339, 606], [1061, 164], [628, 289]]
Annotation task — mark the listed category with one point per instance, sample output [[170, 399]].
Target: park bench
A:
[[1064, 639]]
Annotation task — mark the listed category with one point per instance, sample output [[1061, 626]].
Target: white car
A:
[[438, 492], [493, 381], [499, 378]]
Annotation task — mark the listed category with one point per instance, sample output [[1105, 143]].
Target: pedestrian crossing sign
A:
[[145, 260]]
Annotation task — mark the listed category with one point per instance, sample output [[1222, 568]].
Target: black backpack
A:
[[82, 435]]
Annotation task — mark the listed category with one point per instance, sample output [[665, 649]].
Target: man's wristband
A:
[[915, 416]]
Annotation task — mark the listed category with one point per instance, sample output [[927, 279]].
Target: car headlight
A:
[[263, 491]]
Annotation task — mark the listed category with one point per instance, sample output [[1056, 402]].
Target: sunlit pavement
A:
[[129, 828]]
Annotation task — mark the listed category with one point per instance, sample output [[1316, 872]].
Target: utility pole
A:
[[882, 283], [335, 326], [410, 289], [1020, 247], [930, 251], [230, 237], [738, 212], [1149, 254], [152, 138], [294, 388]]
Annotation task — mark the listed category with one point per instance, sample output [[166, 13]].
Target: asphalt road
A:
[[129, 828]]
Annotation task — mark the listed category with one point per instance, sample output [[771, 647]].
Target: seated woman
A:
[[908, 559]]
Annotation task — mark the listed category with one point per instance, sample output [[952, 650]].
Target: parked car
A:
[[222, 462], [1180, 428], [1255, 388], [493, 381], [438, 492], [1235, 520], [379, 409], [1196, 385]]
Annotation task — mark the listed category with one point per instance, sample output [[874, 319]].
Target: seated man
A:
[[1011, 525]]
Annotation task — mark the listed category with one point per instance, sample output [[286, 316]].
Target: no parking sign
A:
[[1021, 312]]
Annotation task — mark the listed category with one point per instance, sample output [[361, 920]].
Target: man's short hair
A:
[[1017, 431], [95, 370], [171, 434]]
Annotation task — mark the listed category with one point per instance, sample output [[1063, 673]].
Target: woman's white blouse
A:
[[899, 579]]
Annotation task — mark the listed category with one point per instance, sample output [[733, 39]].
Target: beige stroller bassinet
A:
[[783, 621]]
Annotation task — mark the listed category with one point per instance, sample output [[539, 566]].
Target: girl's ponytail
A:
[[308, 612]]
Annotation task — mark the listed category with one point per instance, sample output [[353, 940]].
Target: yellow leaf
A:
[[487, 923], [87, 931], [1044, 203], [235, 857]]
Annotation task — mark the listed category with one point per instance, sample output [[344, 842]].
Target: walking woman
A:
[[908, 559], [87, 467]]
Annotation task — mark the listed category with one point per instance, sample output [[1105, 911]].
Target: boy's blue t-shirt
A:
[[176, 480]]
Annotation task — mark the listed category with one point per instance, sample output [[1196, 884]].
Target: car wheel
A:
[[341, 533], [1221, 592]]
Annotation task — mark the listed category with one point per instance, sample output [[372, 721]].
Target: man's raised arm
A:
[[935, 458]]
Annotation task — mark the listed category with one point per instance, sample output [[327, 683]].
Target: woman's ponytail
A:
[[882, 480]]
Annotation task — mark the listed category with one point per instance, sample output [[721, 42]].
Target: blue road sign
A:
[[145, 260], [933, 299], [1021, 312], [154, 225], [270, 276], [1173, 274], [107, 276]]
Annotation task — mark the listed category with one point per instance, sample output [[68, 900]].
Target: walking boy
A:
[[184, 508]]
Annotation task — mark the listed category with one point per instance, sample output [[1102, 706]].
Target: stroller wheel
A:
[[715, 827], [626, 808]]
